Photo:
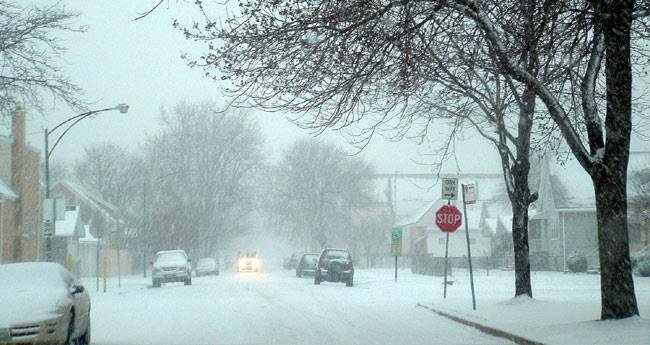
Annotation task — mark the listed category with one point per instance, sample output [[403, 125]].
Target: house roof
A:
[[67, 227], [572, 187], [490, 191], [6, 192], [89, 196]]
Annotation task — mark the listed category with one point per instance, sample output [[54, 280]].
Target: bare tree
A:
[[337, 62], [316, 190], [30, 54], [201, 177], [114, 173]]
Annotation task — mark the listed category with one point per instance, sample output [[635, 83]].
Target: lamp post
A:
[[71, 122]]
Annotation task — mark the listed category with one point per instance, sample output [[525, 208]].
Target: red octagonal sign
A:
[[448, 218]]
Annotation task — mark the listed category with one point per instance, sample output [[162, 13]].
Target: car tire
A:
[[349, 282], [156, 283]]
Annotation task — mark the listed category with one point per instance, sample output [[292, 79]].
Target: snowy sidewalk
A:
[[565, 309]]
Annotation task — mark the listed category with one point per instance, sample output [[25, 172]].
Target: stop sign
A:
[[448, 218]]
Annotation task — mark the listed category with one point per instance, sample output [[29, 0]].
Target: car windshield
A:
[[206, 262], [336, 254], [171, 257]]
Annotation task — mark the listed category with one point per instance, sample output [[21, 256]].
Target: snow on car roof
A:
[[171, 251], [45, 275]]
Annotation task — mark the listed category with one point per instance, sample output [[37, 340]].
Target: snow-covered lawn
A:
[[278, 308], [564, 309]]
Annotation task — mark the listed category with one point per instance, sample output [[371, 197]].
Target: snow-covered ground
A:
[[565, 309], [278, 308], [275, 308]]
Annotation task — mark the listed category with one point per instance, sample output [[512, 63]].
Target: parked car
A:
[[249, 262], [171, 266], [334, 265], [291, 262], [207, 266], [42, 302], [307, 265]]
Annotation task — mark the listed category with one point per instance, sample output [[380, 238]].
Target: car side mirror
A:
[[78, 289]]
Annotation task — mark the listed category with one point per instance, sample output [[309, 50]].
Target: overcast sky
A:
[[119, 60]]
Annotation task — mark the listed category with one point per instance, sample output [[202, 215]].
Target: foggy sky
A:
[[138, 62]]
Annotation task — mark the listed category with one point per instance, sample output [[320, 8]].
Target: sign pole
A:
[[395, 267], [444, 294], [396, 245], [469, 252]]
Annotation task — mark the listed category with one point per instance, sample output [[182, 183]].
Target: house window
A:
[[555, 233]]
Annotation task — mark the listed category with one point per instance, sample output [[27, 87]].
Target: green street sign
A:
[[396, 235], [396, 241]]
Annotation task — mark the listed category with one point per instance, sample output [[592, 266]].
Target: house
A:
[[21, 209], [66, 235], [564, 221], [104, 226], [421, 236]]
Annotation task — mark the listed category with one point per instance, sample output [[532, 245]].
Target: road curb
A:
[[517, 339]]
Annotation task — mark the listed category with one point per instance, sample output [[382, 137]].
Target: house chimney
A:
[[18, 174]]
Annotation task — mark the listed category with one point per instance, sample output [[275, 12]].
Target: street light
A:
[[122, 108]]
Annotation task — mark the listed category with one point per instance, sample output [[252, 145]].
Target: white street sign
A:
[[470, 193], [52, 205], [450, 188]]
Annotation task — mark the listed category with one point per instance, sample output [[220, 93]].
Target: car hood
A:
[[30, 305]]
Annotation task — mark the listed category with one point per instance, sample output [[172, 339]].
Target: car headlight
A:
[[61, 307]]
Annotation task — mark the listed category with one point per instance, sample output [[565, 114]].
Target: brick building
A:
[[21, 197]]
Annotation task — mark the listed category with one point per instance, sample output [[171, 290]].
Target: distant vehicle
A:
[[334, 265], [291, 262], [307, 265], [206, 266], [42, 302], [249, 262], [171, 266]]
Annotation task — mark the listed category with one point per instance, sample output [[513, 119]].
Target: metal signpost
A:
[[470, 200], [448, 219], [396, 245]]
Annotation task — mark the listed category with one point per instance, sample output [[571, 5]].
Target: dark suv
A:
[[334, 265]]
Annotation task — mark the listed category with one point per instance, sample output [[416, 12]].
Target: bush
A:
[[577, 263], [643, 268]]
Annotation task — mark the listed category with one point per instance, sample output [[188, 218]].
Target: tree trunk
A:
[[618, 299], [520, 198], [520, 243]]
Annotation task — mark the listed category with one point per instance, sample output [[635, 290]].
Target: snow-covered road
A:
[[275, 308]]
